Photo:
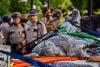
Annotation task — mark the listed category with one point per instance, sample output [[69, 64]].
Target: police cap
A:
[[6, 18], [16, 14]]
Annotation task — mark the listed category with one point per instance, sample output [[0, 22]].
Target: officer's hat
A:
[[16, 14], [33, 12], [24, 16], [57, 13], [6, 18]]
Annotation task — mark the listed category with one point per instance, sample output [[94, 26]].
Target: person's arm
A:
[[6, 38], [25, 38], [4, 42], [24, 42], [3, 38]]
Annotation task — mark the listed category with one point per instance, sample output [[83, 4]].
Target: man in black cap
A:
[[36, 28], [5, 24], [3, 28]]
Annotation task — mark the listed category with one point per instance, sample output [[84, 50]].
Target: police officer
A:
[[36, 27], [15, 34], [5, 24], [24, 20]]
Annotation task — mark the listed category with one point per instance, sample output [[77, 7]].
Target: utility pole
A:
[[49, 3], [89, 7], [24, 3], [32, 2]]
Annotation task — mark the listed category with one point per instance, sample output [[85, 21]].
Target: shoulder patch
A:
[[39, 22]]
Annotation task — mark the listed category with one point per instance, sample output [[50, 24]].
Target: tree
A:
[[63, 5], [96, 7], [16, 5], [80, 5], [96, 4], [4, 7], [39, 6]]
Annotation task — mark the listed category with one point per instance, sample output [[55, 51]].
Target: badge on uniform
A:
[[32, 30], [20, 32]]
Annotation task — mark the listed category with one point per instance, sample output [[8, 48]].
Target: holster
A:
[[15, 47], [8, 43]]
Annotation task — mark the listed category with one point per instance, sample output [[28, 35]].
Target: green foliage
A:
[[39, 6], [96, 12], [80, 5], [4, 7], [16, 5], [9, 6], [96, 4], [63, 5]]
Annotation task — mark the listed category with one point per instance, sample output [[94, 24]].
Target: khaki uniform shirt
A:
[[15, 35], [26, 26], [35, 30], [3, 27]]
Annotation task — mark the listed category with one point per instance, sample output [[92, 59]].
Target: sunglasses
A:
[[15, 18]]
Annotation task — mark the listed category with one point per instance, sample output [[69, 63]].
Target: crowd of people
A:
[[17, 30]]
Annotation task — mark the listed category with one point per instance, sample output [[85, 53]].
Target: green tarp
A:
[[79, 34]]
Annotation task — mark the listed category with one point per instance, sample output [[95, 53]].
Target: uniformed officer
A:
[[5, 24], [16, 34], [24, 20], [36, 27]]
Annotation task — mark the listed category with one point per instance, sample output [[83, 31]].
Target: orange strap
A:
[[47, 60]]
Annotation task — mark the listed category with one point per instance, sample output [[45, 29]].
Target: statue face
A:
[[76, 16]]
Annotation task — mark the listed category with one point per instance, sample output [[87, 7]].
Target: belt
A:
[[16, 46]]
